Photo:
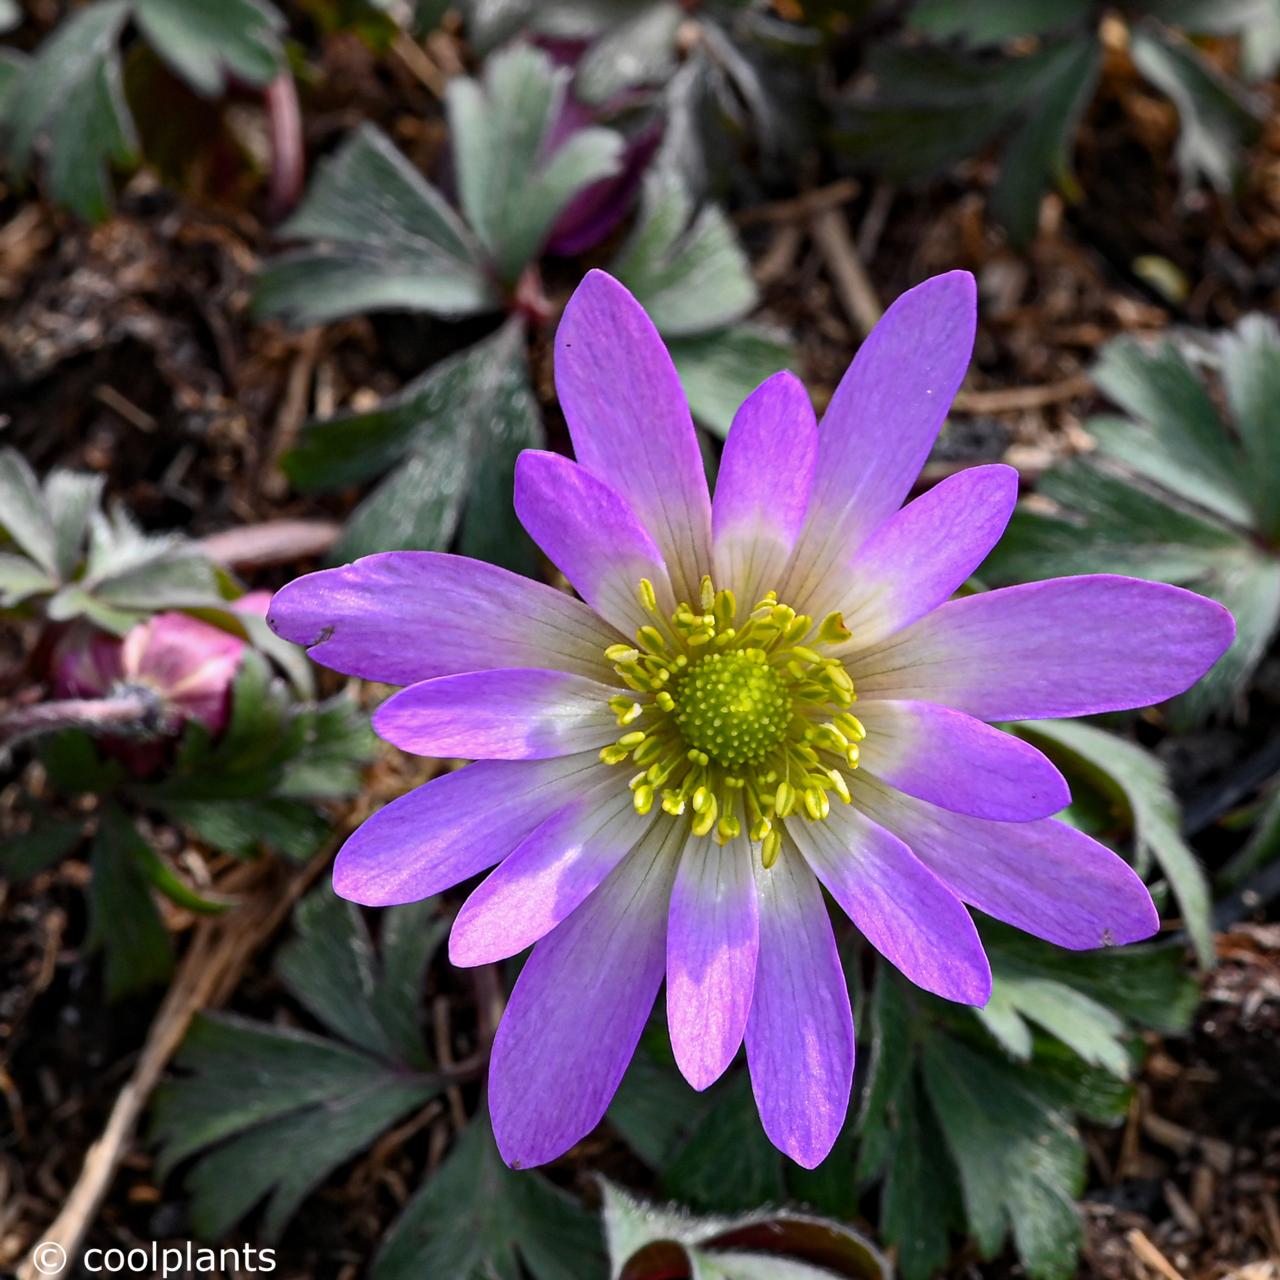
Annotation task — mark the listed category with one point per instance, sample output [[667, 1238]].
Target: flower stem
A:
[[132, 712]]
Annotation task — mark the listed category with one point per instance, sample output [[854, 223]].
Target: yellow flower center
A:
[[736, 725]]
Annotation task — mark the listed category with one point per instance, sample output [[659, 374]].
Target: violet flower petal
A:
[[1046, 878], [454, 826], [591, 534], [547, 876], [880, 426], [516, 714], [1062, 647], [579, 1006], [800, 1030], [959, 763], [630, 422], [914, 920], [713, 936], [762, 490], [403, 616], [918, 558]]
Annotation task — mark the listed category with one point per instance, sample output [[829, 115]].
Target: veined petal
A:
[[713, 935], [403, 616], [800, 1030], [548, 875], [630, 422], [590, 533], [762, 489], [958, 762], [454, 826], [879, 428], [898, 904], [517, 714], [1062, 647], [918, 558], [579, 1006], [1044, 877]]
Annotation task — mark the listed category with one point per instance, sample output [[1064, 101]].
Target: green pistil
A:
[[734, 706], [735, 726]]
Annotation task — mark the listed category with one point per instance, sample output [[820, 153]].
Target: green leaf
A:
[[475, 1219], [647, 1243], [388, 240], [639, 50], [686, 267], [719, 370], [330, 967], [123, 920], [71, 498], [10, 14], [919, 1205], [255, 1096], [978, 22], [20, 579], [243, 828], [1182, 444], [1039, 151], [24, 515], [1020, 1161], [1219, 119], [1109, 524], [22, 856], [1090, 1029], [512, 189], [1262, 847], [1251, 378], [727, 1164], [1138, 779], [452, 436], [204, 43], [71, 92]]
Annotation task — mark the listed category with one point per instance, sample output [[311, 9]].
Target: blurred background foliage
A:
[[283, 276]]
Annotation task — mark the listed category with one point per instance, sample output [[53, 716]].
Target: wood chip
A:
[[1150, 1256]]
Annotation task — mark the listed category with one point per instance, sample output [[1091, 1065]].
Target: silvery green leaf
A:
[[206, 42], [24, 514], [720, 369], [1251, 378], [513, 183], [652, 1241], [71, 498], [1137, 777], [639, 50], [71, 94], [385, 239], [21, 578], [1218, 118], [686, 268], [449, 440], [10, 14]]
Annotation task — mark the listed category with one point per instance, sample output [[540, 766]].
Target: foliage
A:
[[255, 1095], [68, 557], [475, 1218], [250, 1096], [961, 88], [69, 97], [256, 787], [968, 1121], [1176, 491], [655, 1244], [1136, 783]]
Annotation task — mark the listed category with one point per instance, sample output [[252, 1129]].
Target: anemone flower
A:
[[670, 769]]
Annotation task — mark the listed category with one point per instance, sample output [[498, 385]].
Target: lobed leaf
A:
[[387, 240]]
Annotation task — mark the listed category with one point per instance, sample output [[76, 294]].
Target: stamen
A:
[[735, 726]]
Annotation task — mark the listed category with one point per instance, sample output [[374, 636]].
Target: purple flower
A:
[[670, 770]]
